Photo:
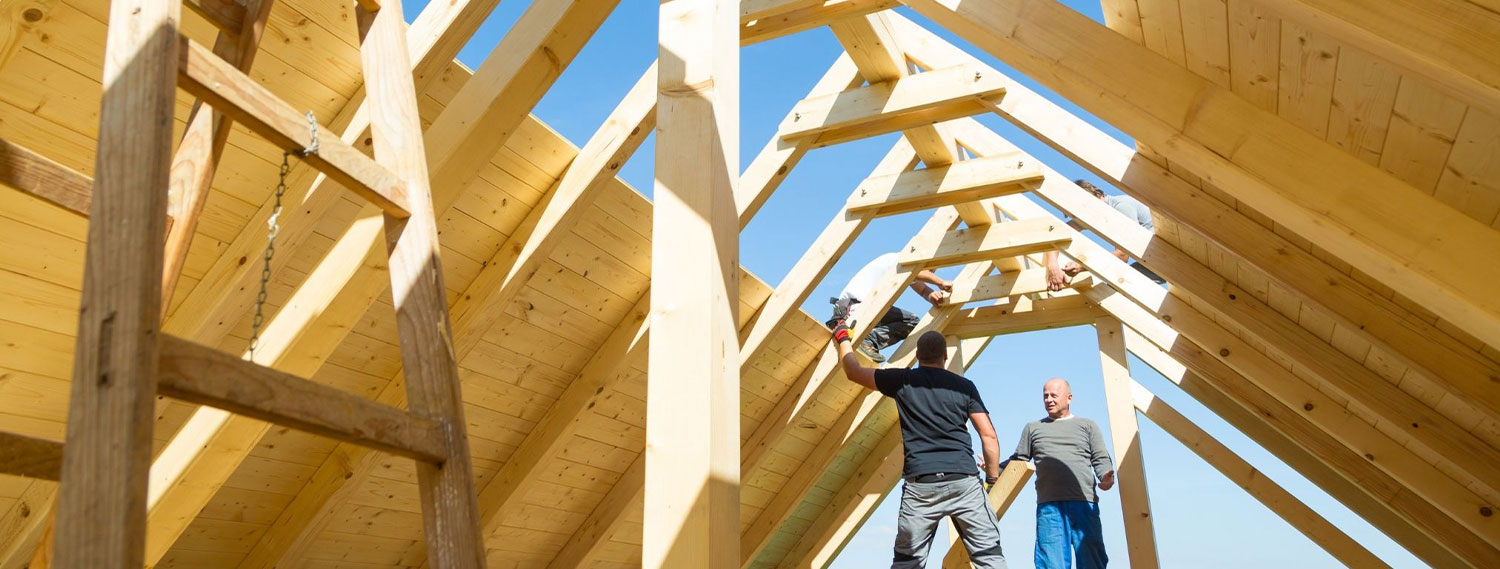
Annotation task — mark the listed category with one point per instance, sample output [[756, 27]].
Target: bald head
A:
[[1057, 397]]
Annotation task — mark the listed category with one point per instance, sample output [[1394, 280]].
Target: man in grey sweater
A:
[[1069, 453]]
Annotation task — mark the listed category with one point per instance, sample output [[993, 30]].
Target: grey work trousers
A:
[[923, 505]]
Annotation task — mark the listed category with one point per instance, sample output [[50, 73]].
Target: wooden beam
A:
[[623, 497], [1306, 520], [226, 15], [1407, 240], [202, 143], [778, 157], [208, 376], [232, 92], [1450, 42], [962, 182], [692, 494], [1019, 283], [1418, 492], [890, 106], [101, 519], [1369, 501], [493, 102], [450, 512], [21, 455], [1025, 315], [987, 242], [24, 525], [25, 170], [1130, 468], [1001, 495], [793, 16]]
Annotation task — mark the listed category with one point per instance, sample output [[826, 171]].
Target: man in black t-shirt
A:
[[935, 406]]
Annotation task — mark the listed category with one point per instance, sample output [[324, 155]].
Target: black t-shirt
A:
[[934, 405]]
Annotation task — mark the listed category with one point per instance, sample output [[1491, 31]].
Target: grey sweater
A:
[[1069, 453]]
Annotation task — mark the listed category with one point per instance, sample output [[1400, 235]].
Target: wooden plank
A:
[[886, 107], [805, 15], [929, 188], [987, 242], [235, 94], [1001, 495], [1407, 241], [450, 513], [1431, 501], [1275, 498], [101, 519], [202, 144], [1130, 467], [1360, 309], [1340, 472], [1025, 315], [21, 455], [25, 170], [1019, 283], [24, 525], [207, 376], [692, 494], [227, 15], [1449, 42]]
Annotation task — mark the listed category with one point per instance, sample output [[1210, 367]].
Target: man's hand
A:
[[1056, 278], [946, 286], [1072, 269], [937, 297], [1107, 481], [840, 331]]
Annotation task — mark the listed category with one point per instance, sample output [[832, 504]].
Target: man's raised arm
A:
[[853, 370]]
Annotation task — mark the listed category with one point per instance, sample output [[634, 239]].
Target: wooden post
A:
[[692, 405], [1002, 495], [1130, 473], [450, 511], [102, 501]]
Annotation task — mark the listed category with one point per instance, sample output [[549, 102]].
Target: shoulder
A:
[[1086, 423]]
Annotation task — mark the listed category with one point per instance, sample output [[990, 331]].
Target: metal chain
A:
[[273, 226]]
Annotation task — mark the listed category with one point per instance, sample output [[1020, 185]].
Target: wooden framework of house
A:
[[1324, 176]]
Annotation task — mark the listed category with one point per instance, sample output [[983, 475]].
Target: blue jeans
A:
[[1065, 527]]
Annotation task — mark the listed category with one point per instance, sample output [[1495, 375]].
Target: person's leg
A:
[[915, 525], [1148, 272], [976, 525], [1089, 540], [898, 324], [1052, 551], [886, 332]]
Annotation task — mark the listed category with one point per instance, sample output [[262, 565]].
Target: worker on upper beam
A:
[[896, 324], [935, 407], [1059, 273]]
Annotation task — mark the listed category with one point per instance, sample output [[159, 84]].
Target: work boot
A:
[[870, 352]]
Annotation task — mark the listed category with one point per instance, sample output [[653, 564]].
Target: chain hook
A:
[[273, 227]]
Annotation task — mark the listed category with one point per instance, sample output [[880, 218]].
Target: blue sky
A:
[[1202, 519]]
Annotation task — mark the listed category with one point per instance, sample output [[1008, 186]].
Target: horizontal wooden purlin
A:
[[206, 376], [31, 457], [230, 91], [993, 241], [962, 182], [25, 170], [1025, 315], [890, 106], [1013, 283], [226, 15], [779, 18]]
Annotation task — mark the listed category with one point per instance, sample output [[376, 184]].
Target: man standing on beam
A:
[[935, 406], [1069, 452], [1058, 274], [896, 324]]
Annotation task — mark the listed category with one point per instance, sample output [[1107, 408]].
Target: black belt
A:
[[939, 477]]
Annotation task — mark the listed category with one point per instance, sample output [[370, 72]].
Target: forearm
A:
[[921, 289], [1050, 259], [991, 457], [929, 277]]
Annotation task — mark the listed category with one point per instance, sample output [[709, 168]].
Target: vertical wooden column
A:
[[102, 500], [450, 511], [1130, 472], [692, 496]]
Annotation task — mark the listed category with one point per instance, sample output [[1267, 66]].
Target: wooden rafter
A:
[[893, 105], [777, 18], [994, 241], [1026, 315], [929, 188], [1130, 467], [1256, 483], [1404, 238]]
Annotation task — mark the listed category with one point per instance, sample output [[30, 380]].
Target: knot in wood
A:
[[1307, 406], [1486, 511], [1224, 352], [32, 15]]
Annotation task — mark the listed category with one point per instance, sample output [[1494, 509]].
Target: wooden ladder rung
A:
[[227, 15], [234, 93], [203, 375], [25, 170], [30, 456]]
